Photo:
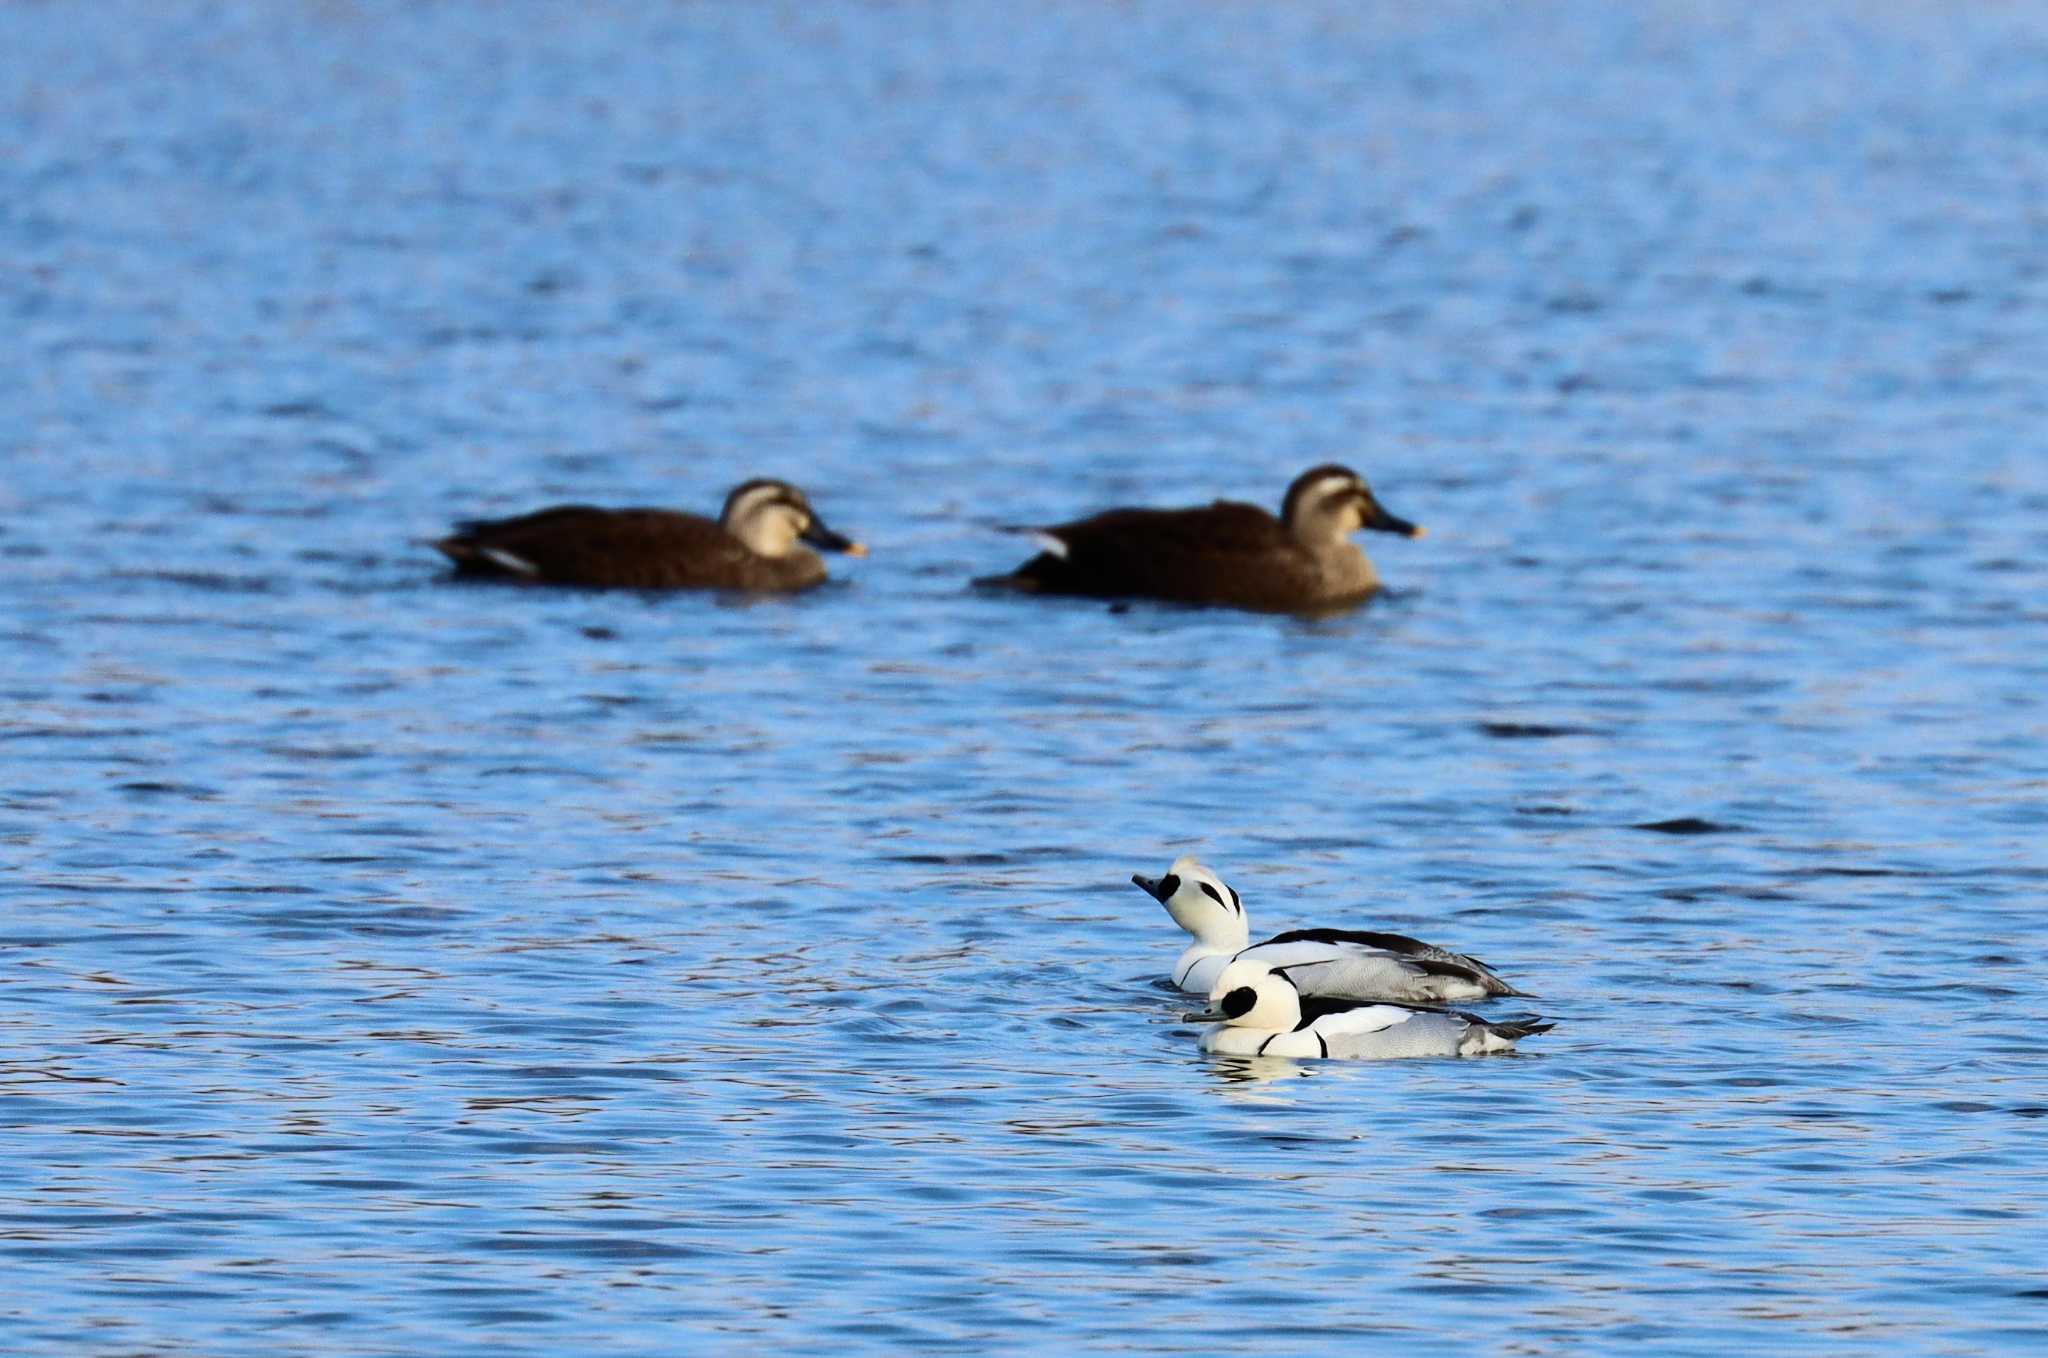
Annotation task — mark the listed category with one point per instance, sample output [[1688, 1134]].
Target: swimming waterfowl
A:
[[1263, 1013], [1352, 964], [1225, 553], [755, 544]]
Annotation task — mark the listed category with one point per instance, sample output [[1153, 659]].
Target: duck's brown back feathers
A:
[[1224, 553], [622, 548]]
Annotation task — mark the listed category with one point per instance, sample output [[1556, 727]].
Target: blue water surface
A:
[[392, 966]]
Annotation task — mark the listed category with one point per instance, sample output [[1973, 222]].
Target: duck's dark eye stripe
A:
[[1212, 893], [1168, 885], [1239, 1002]]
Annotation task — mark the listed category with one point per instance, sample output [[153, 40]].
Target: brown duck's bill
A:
[[1382, 522], [818, 535]]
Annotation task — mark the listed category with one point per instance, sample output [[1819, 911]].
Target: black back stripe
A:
[[1432, 967], [1399, 943]]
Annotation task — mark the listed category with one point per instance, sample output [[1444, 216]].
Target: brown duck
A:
[[756, 543], [1225, 553]]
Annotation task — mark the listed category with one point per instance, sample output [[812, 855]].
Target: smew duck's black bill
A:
[[1147, 885]]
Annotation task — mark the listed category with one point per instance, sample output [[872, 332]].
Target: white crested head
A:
[[1251, 994], [1201, 903]]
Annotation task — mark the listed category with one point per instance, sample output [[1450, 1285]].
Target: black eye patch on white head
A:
[[1239, 1002], [1168, 885]]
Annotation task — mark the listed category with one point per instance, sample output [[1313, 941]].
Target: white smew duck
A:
[[1338, 963], [1262, 1013]]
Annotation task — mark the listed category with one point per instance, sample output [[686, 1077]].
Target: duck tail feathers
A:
[[1496, 988], [1048, 541]]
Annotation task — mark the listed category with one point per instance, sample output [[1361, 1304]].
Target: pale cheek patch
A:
[[1331, 488], [754, 501]]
